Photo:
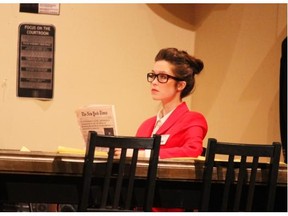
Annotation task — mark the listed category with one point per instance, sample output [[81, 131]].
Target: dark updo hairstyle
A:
[[185, 66]]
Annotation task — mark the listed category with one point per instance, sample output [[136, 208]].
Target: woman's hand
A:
[[117, 152]]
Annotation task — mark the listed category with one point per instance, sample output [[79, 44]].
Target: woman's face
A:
[[164, 91]]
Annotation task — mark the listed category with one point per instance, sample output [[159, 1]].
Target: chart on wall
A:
[[36, 50]]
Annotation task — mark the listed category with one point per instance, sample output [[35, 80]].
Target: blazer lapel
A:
[[176, 115]]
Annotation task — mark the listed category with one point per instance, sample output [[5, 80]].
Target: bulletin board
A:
[[36, 51]]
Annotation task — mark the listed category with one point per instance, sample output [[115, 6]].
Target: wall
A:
[[103, 52], [239, 91]]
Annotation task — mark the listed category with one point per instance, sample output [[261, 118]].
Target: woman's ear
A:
[[181, 85]]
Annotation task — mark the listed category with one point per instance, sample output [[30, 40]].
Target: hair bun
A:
[[198, 66]]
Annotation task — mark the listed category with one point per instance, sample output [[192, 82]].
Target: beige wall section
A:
[[103, 53], [239, 90]]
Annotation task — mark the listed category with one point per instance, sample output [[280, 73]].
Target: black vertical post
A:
[[283, 98]]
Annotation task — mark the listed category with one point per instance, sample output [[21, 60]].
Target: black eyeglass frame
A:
[[157, 75]]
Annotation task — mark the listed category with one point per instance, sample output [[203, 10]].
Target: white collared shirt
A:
[[159, 122]]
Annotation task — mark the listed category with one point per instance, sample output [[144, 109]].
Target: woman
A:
[[182, 131], [172, 78]]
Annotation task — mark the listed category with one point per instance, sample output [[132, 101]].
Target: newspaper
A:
[[99, 118]]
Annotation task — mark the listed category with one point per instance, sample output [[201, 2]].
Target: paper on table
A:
[[24, 149], [69, 150]]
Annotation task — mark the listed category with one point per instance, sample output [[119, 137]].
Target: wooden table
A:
[[44, 177]]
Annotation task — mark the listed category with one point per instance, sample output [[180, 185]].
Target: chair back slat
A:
[[119, 179], [107, 178], [240, 175], [252, 184], [228, 181], [131, 178], [240, 182]]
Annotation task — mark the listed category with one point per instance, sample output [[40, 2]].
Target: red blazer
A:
[[186, 131]]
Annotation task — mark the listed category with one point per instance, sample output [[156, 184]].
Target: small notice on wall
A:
[[36, 61], [40, 8]]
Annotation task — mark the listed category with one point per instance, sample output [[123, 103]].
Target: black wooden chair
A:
[[238, 191], [116, 190]]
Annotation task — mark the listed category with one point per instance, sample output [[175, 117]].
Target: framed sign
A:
[[36, 50], [40, 8]]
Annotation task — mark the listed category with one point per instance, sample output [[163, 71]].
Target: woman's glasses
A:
[[161, 77]]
